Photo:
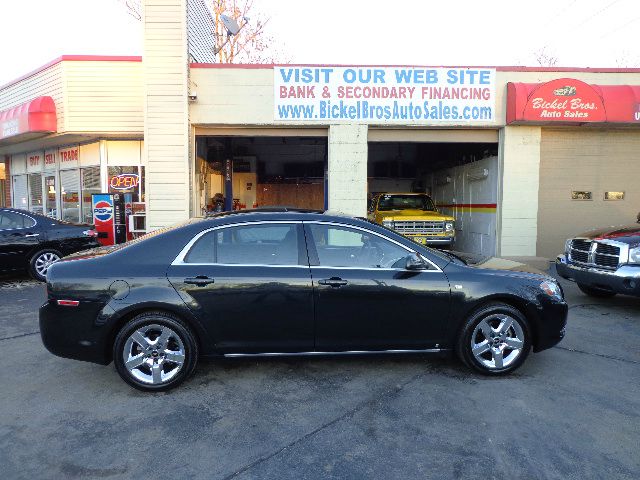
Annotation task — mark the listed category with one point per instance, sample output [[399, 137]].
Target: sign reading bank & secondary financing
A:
[[384, 94]]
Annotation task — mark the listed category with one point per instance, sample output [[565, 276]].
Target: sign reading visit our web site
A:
[[384, 94]]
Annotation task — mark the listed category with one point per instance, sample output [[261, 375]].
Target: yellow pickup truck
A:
[[413, 215]]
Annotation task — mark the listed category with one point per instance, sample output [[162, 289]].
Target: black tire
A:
[[36, 263], [492, 313], [150, 321], [595, 292]]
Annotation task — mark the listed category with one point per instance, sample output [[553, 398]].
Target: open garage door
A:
[[458, 169], [243, 172]]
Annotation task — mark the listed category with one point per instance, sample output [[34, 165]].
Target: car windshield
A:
[[405, 202]]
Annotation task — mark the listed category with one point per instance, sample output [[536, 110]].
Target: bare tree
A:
[[545, 58], [134, 7], [252, 44], [626, 60]]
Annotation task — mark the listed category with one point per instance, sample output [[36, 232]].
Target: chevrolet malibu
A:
[[284, 282]]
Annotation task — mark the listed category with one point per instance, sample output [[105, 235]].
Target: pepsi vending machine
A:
[[110, 217]]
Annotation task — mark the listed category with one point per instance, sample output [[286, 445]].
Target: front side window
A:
[[265, 244], [11, 220], [405, 202], [339, 246]]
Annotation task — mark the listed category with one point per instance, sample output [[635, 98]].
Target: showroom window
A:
[[70, 195], [90, 185], [20, 192], [35, 193]]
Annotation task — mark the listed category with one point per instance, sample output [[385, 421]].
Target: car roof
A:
[[403, 193], [285, 213]]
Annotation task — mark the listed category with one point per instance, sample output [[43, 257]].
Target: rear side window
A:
[[248, 245], [10, 220]]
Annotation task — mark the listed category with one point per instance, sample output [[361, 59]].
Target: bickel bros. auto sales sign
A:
[[414, 95]]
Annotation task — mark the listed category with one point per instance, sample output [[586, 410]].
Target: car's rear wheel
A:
[[41, 261], [595, 292], [495, 339], [155, 351]]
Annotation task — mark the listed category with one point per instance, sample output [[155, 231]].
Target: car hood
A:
[[496, 263], [414, 214], [626, 234]]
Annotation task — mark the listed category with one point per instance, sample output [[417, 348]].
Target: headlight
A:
[[567, 246], [448, 227], [387, 223], [634, 255], [552, 289]]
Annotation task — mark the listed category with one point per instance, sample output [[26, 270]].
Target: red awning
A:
[[34, 118], [571, 101]]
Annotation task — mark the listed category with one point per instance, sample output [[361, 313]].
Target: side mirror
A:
[[414, 262]]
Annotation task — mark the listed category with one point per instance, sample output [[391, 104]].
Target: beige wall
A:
[[585, 159], [103, 97], [47, 82], [244, 96], [518, 199], [91, 96], [166, 126], [348, 169]]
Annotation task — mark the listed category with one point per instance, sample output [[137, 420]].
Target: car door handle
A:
[[32, 235], [200, 280], [333, 282]]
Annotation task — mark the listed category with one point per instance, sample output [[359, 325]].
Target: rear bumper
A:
[[624, 280], [72, 332]]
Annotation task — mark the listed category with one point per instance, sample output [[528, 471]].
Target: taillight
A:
[[90, 233], [68, 303]]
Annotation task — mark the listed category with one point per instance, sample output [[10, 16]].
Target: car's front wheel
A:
[[41, 261], [155, 351], [495, 339]]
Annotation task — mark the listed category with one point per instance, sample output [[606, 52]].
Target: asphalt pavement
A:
[[571, 412]]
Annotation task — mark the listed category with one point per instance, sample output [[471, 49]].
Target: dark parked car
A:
[[604, 262], [33, 242], [290, 283]]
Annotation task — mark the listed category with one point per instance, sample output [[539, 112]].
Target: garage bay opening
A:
[[238, 172], [461, 178]]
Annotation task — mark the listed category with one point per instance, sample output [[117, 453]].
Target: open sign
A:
[[124, 181]]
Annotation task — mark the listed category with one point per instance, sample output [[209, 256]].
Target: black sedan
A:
[[33, 242], [290, 283]]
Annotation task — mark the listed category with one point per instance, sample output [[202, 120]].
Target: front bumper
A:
[[431, 240], [551, 321], [624, 280]]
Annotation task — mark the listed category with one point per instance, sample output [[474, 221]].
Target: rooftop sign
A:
[[570, 101], [406, 95]]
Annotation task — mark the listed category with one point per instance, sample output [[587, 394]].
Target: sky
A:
[[579, 33]]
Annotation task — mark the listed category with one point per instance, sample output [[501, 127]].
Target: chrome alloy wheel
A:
[[153, 354], [497, 341], [44, 261]]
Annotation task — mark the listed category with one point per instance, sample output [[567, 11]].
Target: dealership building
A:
[[523, 158]]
